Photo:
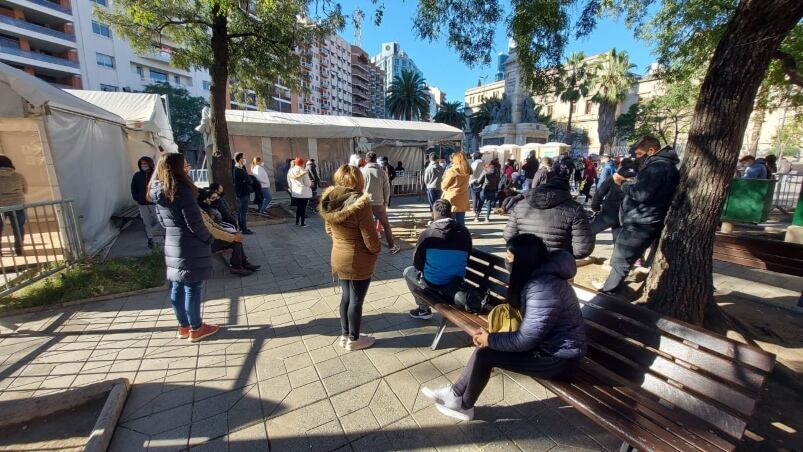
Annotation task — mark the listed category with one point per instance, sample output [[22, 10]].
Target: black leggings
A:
[[301, 210], [353, 295], [478, 370]]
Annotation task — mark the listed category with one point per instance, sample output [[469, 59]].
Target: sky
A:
[[440, 64]]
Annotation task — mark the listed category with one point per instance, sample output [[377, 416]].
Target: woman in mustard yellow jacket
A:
[[455, 186]]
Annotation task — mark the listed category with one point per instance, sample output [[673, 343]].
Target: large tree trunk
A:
[[606, 120], [569, 140], [680, 283], [758, 118], [221, 171]]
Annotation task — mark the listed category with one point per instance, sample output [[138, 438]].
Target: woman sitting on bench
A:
[[550, 341], [226, 235]]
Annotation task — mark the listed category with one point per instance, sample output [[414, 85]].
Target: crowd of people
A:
[[547, 229]]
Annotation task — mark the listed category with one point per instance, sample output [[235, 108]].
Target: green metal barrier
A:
[[749, 200]]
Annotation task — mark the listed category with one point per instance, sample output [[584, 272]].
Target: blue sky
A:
[[440, 64]]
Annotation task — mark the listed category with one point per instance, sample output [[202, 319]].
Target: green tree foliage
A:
[[408, 97], [185, 110], [251, 41], [572, 84], [482, 117], [611, 80], [666, 116], [451, 113]]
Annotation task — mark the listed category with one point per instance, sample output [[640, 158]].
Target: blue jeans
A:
[[528, 183], [488, 199], [433, 194], [242, 209], [186, 301], [459, 217], [266, 197]]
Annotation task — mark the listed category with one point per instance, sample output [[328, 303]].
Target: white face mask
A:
[[144, 167]]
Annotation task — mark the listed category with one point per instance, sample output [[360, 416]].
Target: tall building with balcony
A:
[[38, 37], [393, 60], [367, 86], [436, 100], [326, 78]]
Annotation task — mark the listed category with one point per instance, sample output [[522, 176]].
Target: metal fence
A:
[[36, 240], [787, 190], [408, 183], [199, 176]]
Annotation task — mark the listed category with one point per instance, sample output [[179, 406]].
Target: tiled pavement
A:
[[275, 377]]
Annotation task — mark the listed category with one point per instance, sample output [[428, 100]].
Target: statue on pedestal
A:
[[528, 114], [501, 113]]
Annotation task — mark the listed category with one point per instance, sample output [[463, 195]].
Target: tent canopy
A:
[[293, 125], [40, 93]]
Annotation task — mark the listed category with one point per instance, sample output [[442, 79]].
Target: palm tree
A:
[[451, 113], [482, 117], [408, 97], [611, 81], [572, 85]]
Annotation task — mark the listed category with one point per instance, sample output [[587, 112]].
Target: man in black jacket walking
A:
[[646, 202], [139, 190], [441, 255]]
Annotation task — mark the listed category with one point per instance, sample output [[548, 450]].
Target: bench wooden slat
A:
[[726, 370], [691, 334], [760, 255], [714, 391], [129, 213], [776, 247]]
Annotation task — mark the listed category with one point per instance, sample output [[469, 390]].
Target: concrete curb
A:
[[34, 309], [104, 428]]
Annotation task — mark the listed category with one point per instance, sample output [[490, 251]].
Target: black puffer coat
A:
[[188, 253], [647, 200], [550, 213]]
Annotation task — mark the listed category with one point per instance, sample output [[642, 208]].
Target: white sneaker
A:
[[342, 341], [459, 414], [395, 249], [597, 284], [444, 396], [361, 343]]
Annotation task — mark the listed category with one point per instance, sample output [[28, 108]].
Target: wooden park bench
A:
[[753, 252], [123, 217], [654, 382]]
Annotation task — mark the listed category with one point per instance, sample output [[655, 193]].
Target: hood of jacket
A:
[[561, 264], [148, 160], [666, 155], [7, 171], [373, 165], [340, 203], [550, 194], [296, 172], [444, 225]]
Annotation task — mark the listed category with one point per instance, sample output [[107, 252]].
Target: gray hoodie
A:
[[377, 186], [433, 175]]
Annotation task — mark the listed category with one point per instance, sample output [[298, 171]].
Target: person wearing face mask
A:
[[139, 191], [226, 236], [258, 170], [647, 198], [549, 343], [243, 190], [441, 255]]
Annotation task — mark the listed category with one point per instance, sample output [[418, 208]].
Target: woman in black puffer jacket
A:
[[550, 213], [188, 254]]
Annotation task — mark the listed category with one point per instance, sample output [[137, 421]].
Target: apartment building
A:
[[367, 86], [393, 60], [474, 97], [326, 78], [436, 99]]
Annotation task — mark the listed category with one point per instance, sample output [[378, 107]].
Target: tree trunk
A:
[[219, 71], [758, 118], [680, 283], [605, 124], [569, 125]]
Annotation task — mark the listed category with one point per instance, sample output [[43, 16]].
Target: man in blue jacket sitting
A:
[[441, 255]]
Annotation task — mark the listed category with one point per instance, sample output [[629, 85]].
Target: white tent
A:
[[66, 149], [294, 125], [146, 120]]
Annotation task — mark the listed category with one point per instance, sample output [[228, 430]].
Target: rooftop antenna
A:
[[358, 17]]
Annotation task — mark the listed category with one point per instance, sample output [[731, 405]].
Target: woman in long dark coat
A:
[[188, 254]]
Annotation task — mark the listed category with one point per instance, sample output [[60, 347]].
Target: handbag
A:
[[504, 319]]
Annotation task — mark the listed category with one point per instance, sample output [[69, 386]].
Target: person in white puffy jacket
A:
[[259, 171], [300, 189]]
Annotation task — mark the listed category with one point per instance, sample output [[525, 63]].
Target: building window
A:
[[207, 85], [549, 110], [157, 76], [177, 80], [101, 29], [101, 2], [138, 70], [588, 107], [107, 87], [105, 60]]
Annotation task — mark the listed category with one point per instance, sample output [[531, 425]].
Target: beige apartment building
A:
[[473, 97], [326, 78], [367, 86]]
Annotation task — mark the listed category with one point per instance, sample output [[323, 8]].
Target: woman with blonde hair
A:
[[355, 247], [259, 172], [455, 186], [188, 253]]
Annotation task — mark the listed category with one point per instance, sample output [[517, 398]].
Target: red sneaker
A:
[[204, 331], [183, 332]]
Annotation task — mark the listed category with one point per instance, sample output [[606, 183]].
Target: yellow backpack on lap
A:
[[504, 319]]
